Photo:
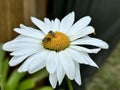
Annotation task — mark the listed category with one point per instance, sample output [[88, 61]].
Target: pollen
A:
[[55, 41]]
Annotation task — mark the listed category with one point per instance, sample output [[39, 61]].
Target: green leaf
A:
[[26, 84], [3, 68], [2, 55], [14, 80], [45, 88]]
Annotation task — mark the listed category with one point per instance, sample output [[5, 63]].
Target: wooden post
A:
[[13, 13]]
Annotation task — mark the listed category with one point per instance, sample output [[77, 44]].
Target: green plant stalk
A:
[[14, 80], [2, 55], [45, 88], [27, 84], [3, 68], [69, 84], [4, 74]]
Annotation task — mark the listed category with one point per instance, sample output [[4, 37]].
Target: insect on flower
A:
[[51, 33], [46, 39]]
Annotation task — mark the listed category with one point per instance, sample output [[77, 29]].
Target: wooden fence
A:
[[15, 12]]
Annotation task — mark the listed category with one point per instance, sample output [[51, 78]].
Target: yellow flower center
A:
[[55, 41]]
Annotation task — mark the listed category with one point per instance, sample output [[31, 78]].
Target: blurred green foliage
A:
[[108, 77]]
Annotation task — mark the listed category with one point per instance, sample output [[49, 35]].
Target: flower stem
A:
[[69, 84]]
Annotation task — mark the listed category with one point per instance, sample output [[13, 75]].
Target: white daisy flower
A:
[[56, 45]]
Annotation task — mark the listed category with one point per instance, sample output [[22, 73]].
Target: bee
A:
[[46, 39], [52, 33]]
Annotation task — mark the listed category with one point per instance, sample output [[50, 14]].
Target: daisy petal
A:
[[40, 24], [9, 46], [24, 67], [48, 24], [53, 26], [60, 73], [53, 80], [39, 63], [20, 37], [22, 26], [80, 24], [52, 62], [82, 33], [23, 39], [89, 60], [78, 76], [69, 68], [91, 41], [30, 33], [82, 49], [25, 51], [67, 22], [57, 24], [77, 56], [21, 44], [16, 60], [81, 57], [27, 28]]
